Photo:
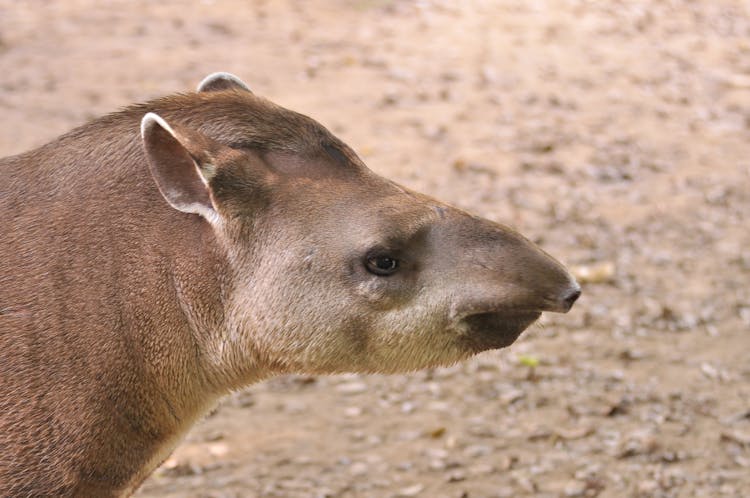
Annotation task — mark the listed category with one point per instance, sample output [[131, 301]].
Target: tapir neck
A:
[[126, 353], [182, 320]]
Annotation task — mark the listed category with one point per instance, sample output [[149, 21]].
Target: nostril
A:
[[571, 297]]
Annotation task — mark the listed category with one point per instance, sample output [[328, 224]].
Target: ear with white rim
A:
[[221, 81], [173, 159]]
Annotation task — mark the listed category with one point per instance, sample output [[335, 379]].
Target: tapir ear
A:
[[179, 165], [221, 81]]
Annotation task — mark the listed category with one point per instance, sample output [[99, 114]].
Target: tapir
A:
[[160, 257]]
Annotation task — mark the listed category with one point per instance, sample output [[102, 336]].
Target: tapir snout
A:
[[510, 282]]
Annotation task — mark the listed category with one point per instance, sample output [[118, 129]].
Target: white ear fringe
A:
[[220, 76], [151, 119]]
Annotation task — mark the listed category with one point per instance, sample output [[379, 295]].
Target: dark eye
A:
[[381, 265]]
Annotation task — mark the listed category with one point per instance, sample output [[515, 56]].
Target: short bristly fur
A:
[[159, 257]]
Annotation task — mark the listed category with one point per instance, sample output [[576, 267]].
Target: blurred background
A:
[[615, 134]]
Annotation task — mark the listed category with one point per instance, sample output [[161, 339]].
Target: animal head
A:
[[333, 268]]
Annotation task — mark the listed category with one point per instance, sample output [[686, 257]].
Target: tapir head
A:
[[332, 268]]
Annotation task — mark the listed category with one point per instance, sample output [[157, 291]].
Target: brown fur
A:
[[122, 320]]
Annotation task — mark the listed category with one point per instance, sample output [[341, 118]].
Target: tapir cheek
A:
[[373, 293], [379, 293]]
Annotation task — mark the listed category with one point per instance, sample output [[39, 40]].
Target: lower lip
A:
[[495, 330]]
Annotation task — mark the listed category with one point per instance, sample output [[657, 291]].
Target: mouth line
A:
[[500, 317], [505, 312]]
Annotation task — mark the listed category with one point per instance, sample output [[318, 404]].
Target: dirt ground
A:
[[615, 134]]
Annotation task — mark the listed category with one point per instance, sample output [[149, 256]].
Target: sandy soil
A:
[[613, 133]]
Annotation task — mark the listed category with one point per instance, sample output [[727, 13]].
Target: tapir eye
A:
[[381, 265]]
